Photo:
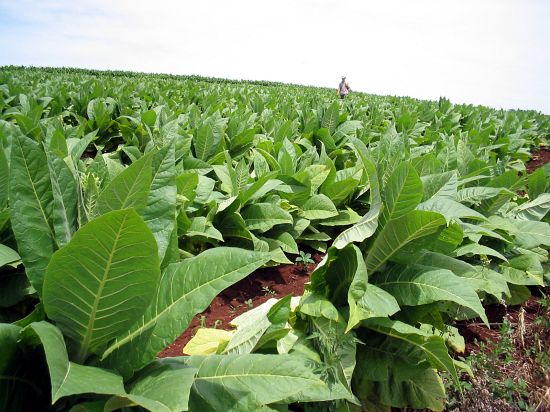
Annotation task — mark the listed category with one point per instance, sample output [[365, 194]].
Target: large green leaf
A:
[[65, 195], [186, 288], [449, 208], [398, 232], [360, 231], [433, 346], [477, 249], [331, 117], [403, 192], [160, 211], [536, 183], [533, 210], [129, 189], [69, 378], [31, 206], [103, 280], [392, 372], [530, 234], [164, 385], [263, 216], [318, 207], [477, 193], [247, 382], [417, 285]]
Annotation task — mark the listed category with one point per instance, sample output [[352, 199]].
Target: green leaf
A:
[[433, 346], [164, 385], [263, 216], [68, 378], [403, 192], [391, 372], [478, 193], [417, 285], [536, 209], [65, 203], [160, 210], [440, 185], [344, 218], [398, 232], [246, 382], [449, 208], [318, 207], [149, 117], [477, 249], [331, 117], [316, 305], [186, 288], [536, 183], [31, 206], [98, 285], [530, 234], [360, 231], [128, 189], [7, 255], [206, 142]]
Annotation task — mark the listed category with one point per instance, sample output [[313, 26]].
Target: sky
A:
[[490, 52]]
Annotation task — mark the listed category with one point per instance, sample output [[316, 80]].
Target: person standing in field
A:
[[343, 88]]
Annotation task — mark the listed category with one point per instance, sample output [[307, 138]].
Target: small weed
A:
[[267, 291], [217, 323], [233, 309], [249, 303], [304, 259], [203, 321]]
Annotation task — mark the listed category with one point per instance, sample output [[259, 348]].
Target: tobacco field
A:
[[128, 202]]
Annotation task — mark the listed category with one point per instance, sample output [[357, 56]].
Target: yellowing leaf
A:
[[207, 341]]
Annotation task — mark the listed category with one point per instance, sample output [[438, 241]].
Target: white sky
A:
[[492, 52]]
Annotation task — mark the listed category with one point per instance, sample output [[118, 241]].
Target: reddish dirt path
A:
[[475, 331], [540, 158], [265, 283]]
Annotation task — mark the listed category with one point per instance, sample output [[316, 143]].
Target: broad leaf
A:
[[69, 378], [129, 189], [263, 216], [246, 382], [433, 346], [102, 281], [398, 232], [417, 285], [65, 193], [160, 210], [186, 288], [403, 192], [360, 231], [318, 207], [31, 206]]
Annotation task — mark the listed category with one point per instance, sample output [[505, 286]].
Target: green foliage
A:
[[129, 201]]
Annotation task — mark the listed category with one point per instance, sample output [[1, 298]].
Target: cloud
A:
[[492, 52]]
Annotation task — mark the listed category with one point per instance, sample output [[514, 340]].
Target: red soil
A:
[[539, 158], [265, 283], [475, 331]]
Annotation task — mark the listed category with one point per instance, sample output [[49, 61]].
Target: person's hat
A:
[[343, 77]]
